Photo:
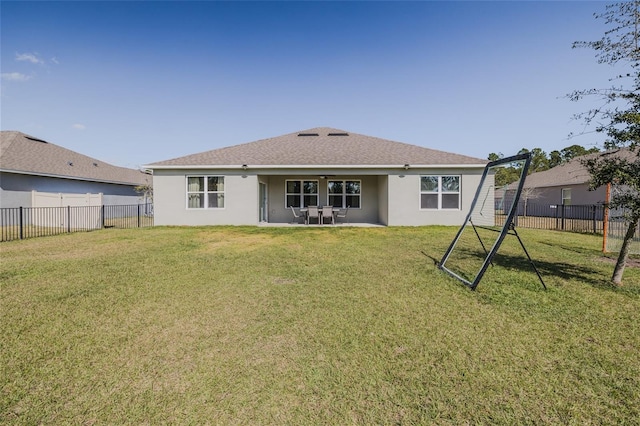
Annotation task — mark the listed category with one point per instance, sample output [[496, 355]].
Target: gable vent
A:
[[308, 134], [338, 134]]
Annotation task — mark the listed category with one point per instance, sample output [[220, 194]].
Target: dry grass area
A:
[[333, 325]]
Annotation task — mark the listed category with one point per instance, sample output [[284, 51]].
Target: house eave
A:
[[314, 166], [84, 179]]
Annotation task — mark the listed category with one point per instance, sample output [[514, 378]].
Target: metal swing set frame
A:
[[508, 228]]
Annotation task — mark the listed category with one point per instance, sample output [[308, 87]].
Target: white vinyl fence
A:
[[48, 214]]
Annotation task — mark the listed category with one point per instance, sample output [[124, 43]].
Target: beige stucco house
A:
[[381, 181]]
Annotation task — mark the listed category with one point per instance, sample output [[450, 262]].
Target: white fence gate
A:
[[55, 214]]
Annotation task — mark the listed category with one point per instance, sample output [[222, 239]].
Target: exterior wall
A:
[[383, 199], [170, 199], [386, 198], [367, 213], [12, 184], [404, 198], [122, 200], [580, 195]]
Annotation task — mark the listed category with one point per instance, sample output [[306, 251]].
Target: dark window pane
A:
[[352, 187], [335, 200], [310, 187], [310, 200], [293, 200], [335, 187], [429, 201], [215, 183], [353, 201], [429, 184], [293, 187], [216, 201], [450, 201]]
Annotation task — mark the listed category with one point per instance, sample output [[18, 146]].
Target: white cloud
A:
[[55, 60], [79, 126], [15, 76], [29, 57]]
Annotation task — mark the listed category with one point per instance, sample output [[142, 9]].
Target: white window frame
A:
[[301, 194], [205, 192], [565, 198], [344, 194], [440, 192]]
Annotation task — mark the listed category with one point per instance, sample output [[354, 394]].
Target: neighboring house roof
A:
[[570, 173], [321, 146], [24, 154]]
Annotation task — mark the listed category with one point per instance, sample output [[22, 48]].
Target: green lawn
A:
[[247, 325]]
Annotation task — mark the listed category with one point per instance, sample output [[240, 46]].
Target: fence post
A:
[[593, 217], [605, 217], [562, 217], [21, 224], [138, 215], [69, 219]]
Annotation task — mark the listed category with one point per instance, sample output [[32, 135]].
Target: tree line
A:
[[540, 162]]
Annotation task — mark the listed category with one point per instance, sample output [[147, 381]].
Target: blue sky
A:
[[131, 83]]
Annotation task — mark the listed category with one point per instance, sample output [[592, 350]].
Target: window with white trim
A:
[[301, 193], [440, 192], [205, 192], [566, 196], [344, 193]]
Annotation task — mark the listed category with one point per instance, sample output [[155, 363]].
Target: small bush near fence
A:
[[29, 222]]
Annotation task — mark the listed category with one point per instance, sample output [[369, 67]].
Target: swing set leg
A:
[[513, 229]]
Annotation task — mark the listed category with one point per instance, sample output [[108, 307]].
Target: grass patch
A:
[[247, 325]]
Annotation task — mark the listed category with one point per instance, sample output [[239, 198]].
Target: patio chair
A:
[[327, 212], [342, 214], [313, 213], [297, 217]]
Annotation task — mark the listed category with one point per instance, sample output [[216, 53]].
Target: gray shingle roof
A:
[[322, 146], [569, 173], [21, 153]]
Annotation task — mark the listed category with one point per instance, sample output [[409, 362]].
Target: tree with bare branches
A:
[[618, 117]]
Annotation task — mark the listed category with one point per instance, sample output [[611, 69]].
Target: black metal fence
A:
[[618, 226], [30, 222], [577, 218]]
